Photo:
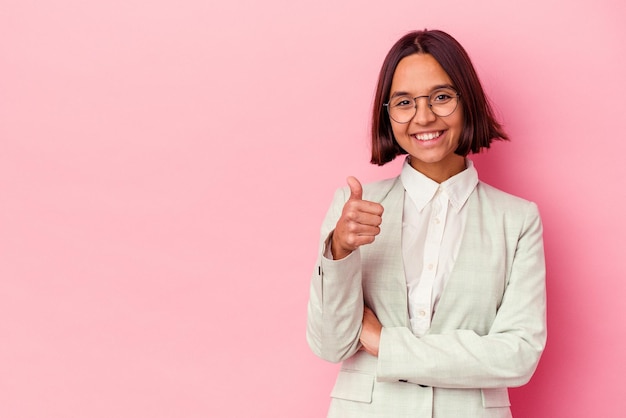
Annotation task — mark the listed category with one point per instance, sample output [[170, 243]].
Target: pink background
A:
[[165, 167]]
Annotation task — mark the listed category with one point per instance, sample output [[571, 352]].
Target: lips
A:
[[427, 136]]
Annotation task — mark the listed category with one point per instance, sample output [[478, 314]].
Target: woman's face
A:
[[429, 139]]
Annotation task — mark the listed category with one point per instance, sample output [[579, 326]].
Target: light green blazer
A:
[[487, 334]]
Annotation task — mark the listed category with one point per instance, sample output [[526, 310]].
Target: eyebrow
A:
[[437, 87]]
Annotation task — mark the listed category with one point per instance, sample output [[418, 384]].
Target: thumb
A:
[[356, 190]]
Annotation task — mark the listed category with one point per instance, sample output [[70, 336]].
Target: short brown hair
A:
[[480, 126]]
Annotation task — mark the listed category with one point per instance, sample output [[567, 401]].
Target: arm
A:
[[335, 307], [507, 356]]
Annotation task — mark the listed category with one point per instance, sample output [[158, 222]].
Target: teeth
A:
[[427, 136]]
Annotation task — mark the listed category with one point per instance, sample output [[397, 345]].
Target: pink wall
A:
[[165, 166]]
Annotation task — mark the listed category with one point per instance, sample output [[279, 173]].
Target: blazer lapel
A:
[[384, 283], [473, 289]]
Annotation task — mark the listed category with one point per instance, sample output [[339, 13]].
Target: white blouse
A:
[[432, 228]]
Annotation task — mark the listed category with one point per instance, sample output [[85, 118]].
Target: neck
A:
[[440, 171]]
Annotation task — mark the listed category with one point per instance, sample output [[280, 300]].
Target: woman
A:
[[429, 287]]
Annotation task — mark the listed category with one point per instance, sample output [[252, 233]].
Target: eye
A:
[[442, 96], [402, 102]]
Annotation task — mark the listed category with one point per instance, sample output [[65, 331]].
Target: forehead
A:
[[418, 74]]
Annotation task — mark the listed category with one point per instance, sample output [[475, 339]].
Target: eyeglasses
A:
[[442, 102]]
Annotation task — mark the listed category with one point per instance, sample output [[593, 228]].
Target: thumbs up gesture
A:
[[359, 222]]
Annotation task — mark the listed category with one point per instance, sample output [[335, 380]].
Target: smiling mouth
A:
[[428, 136]]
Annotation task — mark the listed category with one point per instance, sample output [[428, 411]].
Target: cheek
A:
[[456, 125], [398, 130]]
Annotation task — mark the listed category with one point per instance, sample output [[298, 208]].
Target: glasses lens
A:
[[443, 101], [402, 108]]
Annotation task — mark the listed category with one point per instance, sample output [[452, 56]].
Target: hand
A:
[[359, 222], [370, 334]]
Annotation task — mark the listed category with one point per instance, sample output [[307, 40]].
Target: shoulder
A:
[[486, 191], [383, 191], [501, 201], [376, 191]]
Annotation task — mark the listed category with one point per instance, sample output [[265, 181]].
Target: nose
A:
[[423, 114]]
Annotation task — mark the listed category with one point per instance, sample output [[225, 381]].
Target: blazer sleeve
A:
[[506, 357], [335, 308]]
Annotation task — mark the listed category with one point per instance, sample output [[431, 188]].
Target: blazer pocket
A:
[[353, 386], [495, 398]]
